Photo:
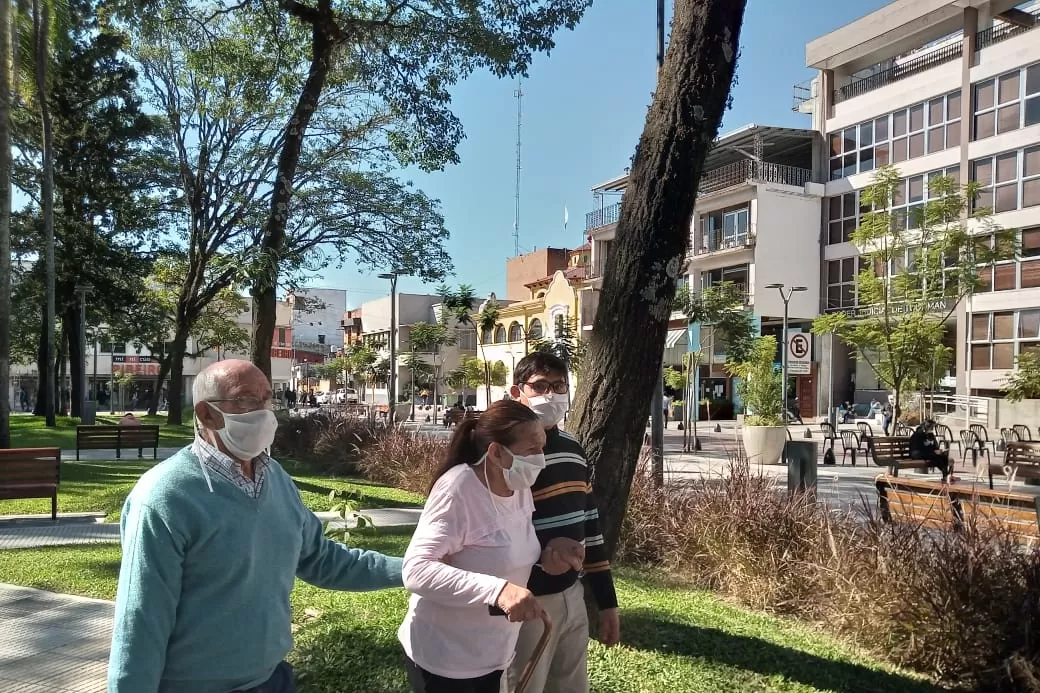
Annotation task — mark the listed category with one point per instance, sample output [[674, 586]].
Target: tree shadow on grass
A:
[[647, 630], [342, 659]]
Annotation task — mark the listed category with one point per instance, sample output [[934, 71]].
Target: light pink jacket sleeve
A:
[[442, 532]]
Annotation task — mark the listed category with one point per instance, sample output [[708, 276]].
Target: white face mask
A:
[[550, 409], [247, 435], [524, 472]]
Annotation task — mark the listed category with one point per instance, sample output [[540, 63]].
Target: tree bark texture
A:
[[264, 290], [42, 393], [70, 330], [653, 234], [41, 26], [175, 394], [5, 224]]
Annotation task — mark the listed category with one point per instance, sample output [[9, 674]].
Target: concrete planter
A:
[[764, 444]]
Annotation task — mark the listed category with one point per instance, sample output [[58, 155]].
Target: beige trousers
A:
[[562, 668]]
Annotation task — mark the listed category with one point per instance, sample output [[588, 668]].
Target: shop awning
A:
[[675, 338]]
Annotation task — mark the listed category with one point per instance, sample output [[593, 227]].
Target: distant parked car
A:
[[346, 396], [323, 398]]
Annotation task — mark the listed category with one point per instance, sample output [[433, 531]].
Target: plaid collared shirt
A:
[[219, 463]]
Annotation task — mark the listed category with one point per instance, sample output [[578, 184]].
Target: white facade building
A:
[[316, 318]]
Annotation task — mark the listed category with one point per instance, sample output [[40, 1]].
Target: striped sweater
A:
[[565, 507]]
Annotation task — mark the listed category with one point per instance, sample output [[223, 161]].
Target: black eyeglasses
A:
[[544, 387]]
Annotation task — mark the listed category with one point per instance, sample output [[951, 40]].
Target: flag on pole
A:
[[566, 217]]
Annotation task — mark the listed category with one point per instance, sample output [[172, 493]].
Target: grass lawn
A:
[[30, 432], [674, 639], [103, 486]]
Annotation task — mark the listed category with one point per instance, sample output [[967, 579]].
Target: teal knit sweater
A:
[[203, 597]]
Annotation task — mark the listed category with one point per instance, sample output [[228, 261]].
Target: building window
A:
[[487, 335], [1007, 103], [997, 338], [500, 335], [534, 331], [515, 333], [726, 229], [737, 275], [843, 216], [1008, 181], [924, 128], [841, 283], [281, 336], [467, 340]]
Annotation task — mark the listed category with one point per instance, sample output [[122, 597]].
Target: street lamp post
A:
[[392, 385], [82, 290], [786, 298]]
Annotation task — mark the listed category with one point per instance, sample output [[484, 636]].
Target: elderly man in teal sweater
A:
[[212, 540]]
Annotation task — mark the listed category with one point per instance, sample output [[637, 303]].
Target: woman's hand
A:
[[562, 555], [518, 603]]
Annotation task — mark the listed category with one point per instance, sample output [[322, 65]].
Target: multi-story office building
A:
[[935, 87], [756, 223]]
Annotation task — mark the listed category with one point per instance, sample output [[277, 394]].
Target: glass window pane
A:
[[849, 143], [866, 159], [848, 297], [899, 194], [834, 272], [936, 140], [953, 105], [847, 228], [866, 134], [984, 200], [834, 234], [1007, 167], [917, 117], [881, 129], [916, 189], [1004, 325], [848, 269], [898, 123], [936, 108], [1005, 277], [835, 143], [1032, 162], [836, 168], [849, 202], [1029, 324], [953, 134], [1033, 110], [985, 125], [834, 207], [834, 296], [1006, 198], [1031, 242], [980, 357], [1033, 80], [1030, 274], [849, 168], [954, 172], [982, 171], [881, 154], [1008, 87], [980, 326], [983, 95], [898, 150], [1007, 118], [1031, 193], [1004, 355]]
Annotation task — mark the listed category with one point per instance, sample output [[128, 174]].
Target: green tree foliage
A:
[[722, 308], [915, 271], [564, 344], [760, 387], [1024, 381]]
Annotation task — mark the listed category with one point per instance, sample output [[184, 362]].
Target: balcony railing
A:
[[604, 216], [988, 37], [717, 239], [728, 176]]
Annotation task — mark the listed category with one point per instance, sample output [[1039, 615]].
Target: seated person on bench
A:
[[925, 446]]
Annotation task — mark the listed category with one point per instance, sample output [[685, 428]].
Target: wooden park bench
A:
[[118, 438], [1021, 460], [894, 452], [944, 506], [31, 473]]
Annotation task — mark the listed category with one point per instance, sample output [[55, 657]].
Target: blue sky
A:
[[583, 110]]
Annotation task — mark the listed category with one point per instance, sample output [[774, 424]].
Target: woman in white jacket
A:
[[472, 554]]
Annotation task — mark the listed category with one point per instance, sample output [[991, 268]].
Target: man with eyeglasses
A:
[[564, 506], [213, 539]]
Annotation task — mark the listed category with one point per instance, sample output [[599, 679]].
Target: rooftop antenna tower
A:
[[519, 94]]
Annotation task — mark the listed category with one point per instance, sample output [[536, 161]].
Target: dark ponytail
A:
[[474, 435]]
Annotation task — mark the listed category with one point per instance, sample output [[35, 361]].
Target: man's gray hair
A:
[[207, 385]]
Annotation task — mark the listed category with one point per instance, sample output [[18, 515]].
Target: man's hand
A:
[[561, 555], [609, 627]]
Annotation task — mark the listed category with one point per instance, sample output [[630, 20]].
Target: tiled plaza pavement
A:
[[52, 643]]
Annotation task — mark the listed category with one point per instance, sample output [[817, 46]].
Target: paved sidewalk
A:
[[53, 643], [39, 530]]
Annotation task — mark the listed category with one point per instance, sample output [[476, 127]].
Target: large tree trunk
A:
[[70, 328], [653, 235], [42, 367], [5, 224], [60, 361], [265, 303], [176, 392], [164, 371], [41, 26]]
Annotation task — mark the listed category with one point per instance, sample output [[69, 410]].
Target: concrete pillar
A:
[[826, 98]]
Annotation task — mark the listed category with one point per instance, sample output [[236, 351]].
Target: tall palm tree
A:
[[5, 224], [487, 321]]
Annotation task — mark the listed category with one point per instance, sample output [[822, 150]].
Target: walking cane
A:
[[539, 650]]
